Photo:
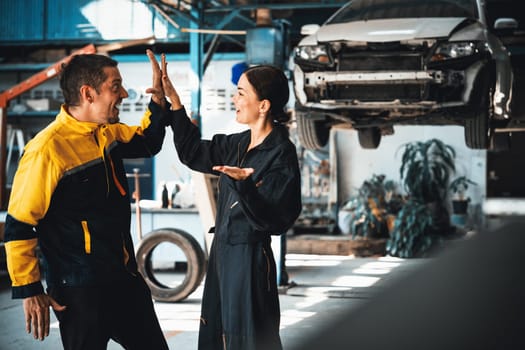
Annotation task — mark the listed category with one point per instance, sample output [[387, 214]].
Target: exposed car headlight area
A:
[[455, 50], [378, 64], [314, 55]]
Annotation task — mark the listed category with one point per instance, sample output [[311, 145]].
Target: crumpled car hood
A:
[[383, 30]]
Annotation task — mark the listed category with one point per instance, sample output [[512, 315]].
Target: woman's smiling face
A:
[[246, 101]]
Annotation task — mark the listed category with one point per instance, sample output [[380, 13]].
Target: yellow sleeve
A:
[[22, 262], [33, 186]]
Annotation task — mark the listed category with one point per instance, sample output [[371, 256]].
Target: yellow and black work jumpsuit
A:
[[70, 197]]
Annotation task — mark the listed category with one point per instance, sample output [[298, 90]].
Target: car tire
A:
[[369, 138], [477, 129], [313, 134], [196, 263]]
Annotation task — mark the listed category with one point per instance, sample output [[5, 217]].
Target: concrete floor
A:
[[324, 287]]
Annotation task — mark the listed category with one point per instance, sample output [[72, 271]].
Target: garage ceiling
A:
[[35, 26]]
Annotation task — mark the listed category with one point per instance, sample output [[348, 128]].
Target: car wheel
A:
[[477, 131], [313, 134], [477, 128], [369, 138]]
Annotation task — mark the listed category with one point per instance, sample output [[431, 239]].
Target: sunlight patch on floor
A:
[[355, 281], [290, 317], [376, 268], [308, 301], [190, 325], [314, 260]]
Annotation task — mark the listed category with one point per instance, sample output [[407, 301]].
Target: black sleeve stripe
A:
[[29, 290], [16, 230]]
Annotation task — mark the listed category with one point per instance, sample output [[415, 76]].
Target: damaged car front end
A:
[[376, 63]]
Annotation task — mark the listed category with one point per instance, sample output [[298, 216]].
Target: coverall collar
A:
[[81, 127], [274, 138]]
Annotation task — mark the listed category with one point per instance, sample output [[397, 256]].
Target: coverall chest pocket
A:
[[237, 228], [83, 189]]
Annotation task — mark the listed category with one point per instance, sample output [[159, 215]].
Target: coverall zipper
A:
[[101, 149], [107, 156], [120, 189], [239, 160]]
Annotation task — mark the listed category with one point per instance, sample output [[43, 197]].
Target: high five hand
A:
[[156, 90], [168, 87]]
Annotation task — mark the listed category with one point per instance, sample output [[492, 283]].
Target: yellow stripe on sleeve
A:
[[22, 262]]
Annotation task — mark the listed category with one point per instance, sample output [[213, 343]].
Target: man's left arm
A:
[[145, 140], [28, 203]]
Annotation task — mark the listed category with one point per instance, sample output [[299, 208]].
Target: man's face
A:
[[110, 96]]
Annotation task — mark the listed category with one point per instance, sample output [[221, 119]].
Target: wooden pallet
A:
[[324, 244]]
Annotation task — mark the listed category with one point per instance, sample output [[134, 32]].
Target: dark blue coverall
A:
[[240, 307]]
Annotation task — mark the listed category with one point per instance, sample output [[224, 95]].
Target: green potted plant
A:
[[460, 201], [376, 201], [414, 233], [369, 215], [426, 168]]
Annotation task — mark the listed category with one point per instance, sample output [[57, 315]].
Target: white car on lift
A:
[[378, 63]]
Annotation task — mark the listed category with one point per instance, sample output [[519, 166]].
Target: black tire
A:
[[313, 134], [369, 138], [196, 263], [477, 129]]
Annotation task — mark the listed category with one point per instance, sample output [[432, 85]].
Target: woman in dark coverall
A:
[[259, 195]]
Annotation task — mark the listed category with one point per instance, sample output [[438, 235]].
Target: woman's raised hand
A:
[[156, 91], [168, 87]]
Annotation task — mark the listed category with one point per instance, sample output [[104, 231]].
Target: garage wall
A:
[[356, 164], [217, 110]]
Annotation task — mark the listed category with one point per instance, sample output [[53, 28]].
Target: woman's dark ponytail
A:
[[281, 118]]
